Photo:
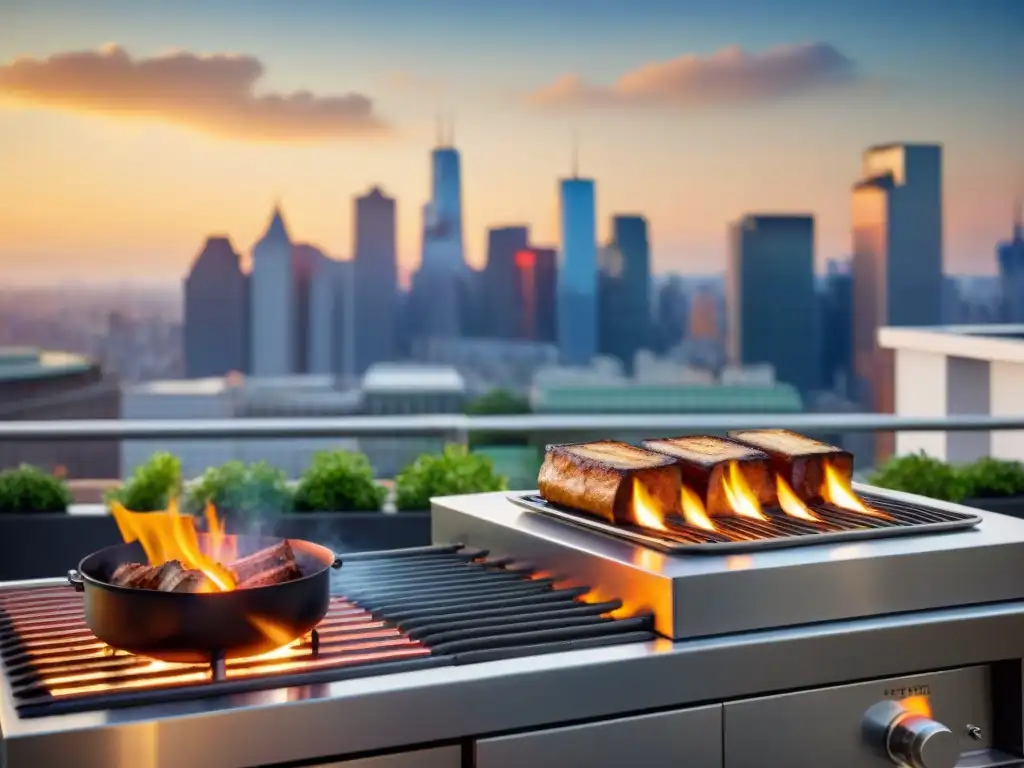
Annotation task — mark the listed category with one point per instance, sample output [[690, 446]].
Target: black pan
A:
[[198, 628]]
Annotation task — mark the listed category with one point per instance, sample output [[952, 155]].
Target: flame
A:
[[742, 499], [917, 705], [694, 512], [645, 508], [837, 491], [170, 535], [791, 503]]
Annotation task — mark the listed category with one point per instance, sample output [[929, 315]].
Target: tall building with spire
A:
[[272, 310], [577, 272], [1010, 255], [436, 286]]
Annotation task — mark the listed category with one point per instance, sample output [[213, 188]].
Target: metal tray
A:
[[904, 519]]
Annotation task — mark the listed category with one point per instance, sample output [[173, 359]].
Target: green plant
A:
[[923, 475], [988, 477], [235, 488], [151, 486], [497, 402], [453, 471], [339, 481], [30, 489]]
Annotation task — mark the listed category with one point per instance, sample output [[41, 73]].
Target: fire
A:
[[917, 705], [742, 500], [791, 503], [837, 491], [694, 512], [646, 509], [170, 535]]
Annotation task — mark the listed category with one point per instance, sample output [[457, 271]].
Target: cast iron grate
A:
[[742, 534], [395, 611]]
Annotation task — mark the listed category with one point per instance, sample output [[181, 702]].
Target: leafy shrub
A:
[[151, 486], [988, 478], [30, 489], [923, 475], [245, 490], [339, 481], [453, 471]]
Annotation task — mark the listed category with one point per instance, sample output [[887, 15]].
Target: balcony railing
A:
[[458, 427]]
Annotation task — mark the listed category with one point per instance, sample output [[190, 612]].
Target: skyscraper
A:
[[773, 315], [545, 286], [272, 318], [836, 342], [216, 332], [502, 288], [577, 273], [1010, 256], [327, 315], [437, 284], [625, 288], [306, 261], [897, 258], [375, 273]]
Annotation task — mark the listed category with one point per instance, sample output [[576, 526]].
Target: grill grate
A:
[[401, 610], [742, 534]]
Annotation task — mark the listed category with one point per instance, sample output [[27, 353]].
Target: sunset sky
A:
[[129, 131]]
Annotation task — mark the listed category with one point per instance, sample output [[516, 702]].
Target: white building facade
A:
[[958, 371]]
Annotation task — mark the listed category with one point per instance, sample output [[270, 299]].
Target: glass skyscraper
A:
[[577, 273]]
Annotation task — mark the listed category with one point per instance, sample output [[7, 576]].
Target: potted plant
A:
[[923, 475], [338, 503], [151, 486], [453, 471], [996, 485], [38, 539], [245, 495]]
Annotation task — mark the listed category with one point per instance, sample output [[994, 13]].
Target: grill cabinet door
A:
[[691, 737], [439, 757]]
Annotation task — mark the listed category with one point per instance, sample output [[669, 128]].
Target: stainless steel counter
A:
[[704, 595], [444, 705]]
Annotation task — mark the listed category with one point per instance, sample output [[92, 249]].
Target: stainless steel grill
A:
[[406, 609], [531, 645], [744, 534]]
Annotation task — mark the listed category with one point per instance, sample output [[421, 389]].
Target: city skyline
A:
[[770, 116]]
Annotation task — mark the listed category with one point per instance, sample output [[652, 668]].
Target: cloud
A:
[[212, 94], [727, 77]]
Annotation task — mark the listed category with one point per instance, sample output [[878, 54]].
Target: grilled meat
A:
[[171, 576], [598, 478], [269, 559], [704, 465], [798, 459]]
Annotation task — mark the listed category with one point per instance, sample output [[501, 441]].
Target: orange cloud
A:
[[727, 77], [211, 94]]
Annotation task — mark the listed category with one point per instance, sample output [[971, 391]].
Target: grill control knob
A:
[[908, 739]]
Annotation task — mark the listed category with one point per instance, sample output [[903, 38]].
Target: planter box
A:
[[1004, 505], [45, 545]]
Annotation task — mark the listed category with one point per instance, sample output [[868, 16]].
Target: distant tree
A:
[[497, 402]]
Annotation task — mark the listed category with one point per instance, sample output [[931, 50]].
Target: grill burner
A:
[[401, 610], [743, 534]]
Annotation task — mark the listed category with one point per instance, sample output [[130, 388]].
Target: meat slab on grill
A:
[[704, 462], [598, 478], [799, 460], [271, 565], [275, 564], [171, 576]]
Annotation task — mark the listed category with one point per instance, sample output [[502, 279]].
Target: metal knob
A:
[[908, 739]]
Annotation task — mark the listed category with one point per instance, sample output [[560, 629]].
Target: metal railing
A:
[[457, 427]]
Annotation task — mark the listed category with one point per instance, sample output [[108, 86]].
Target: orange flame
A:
[[742, 500], [170, 535], [791, 503], [645, 509], [694, 512], [917, 705], [837, 491]]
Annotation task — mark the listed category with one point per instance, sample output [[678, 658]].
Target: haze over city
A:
[[130, 133]]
